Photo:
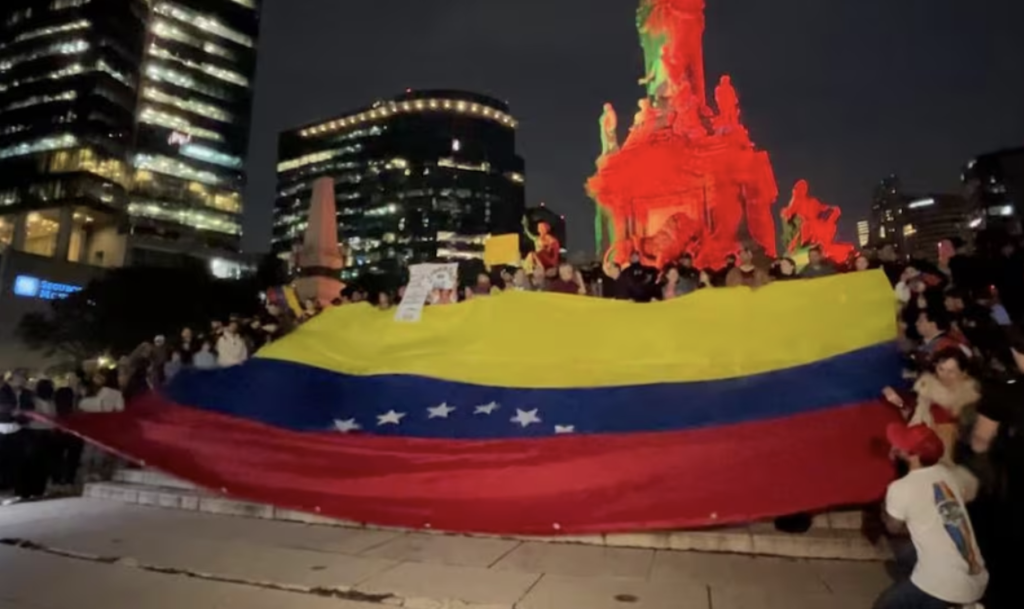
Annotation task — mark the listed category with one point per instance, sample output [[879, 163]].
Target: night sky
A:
[[841, 93]]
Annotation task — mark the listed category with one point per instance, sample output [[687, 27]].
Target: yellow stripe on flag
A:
[[523, 339]]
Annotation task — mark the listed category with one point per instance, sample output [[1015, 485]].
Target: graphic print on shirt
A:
[[954, 519]]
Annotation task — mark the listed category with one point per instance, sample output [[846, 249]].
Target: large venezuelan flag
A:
[[545, 414]]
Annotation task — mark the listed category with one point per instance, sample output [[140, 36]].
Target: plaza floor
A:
[[89, 553]]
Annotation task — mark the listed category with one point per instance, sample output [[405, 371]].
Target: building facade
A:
[[123, 127], [994, 185], [914, 224], [424, 176]]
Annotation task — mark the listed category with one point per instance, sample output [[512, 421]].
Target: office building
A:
[[863, 233], [914, 224], [123, 128], [426, 175], [994, 185]]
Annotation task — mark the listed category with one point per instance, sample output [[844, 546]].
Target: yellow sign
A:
[[501, 249]]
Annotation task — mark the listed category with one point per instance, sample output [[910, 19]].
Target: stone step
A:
[[149, 477], [823, 541]]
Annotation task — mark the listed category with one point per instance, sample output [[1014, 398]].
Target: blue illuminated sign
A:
[[34, 287]]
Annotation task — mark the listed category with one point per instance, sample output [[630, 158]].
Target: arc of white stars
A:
[[346, 425], [440, 412], [525, 418], [486, 408], [390, 418]]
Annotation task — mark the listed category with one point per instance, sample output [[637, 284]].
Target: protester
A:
[[945, 562], [746, 274], [231, 349], [10, 445], [67, 448], [784, 269], [204, 359], [104, 395], [817, 265], [568, 281], [186, 346], [173, 366]]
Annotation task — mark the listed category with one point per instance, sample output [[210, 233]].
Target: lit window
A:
[[152, 116], [35, 100], [160, 73], [202, 153], [909, 230], [176, 168], [309, 159], [70, 47], [47, 143], [59, 5], [55, 29], [18, 16], [202, 22], [189, 105], [516, 177], [481, 167], [119, 76], [165, 30], [71, 70], [199, 219], [419, 105], [85, 159], [206, 68]]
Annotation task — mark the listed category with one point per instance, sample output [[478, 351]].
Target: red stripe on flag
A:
[[567, 484]]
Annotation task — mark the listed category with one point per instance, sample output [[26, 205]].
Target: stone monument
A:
[[319, 260]]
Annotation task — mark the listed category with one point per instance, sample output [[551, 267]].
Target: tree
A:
[[131, 305], [271, 272]]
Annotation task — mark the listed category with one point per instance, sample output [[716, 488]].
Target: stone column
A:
[[67, 224], [20, 232]]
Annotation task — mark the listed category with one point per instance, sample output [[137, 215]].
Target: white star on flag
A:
[[525, 417], [440, 412], [346, 426], [390, 417], [565, 429], [486, 408]]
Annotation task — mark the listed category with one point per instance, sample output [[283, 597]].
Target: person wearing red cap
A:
[[929, 503]]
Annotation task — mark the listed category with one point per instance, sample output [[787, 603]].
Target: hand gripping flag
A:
[[532, 413]]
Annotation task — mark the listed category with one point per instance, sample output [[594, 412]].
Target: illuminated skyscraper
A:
[[423, 176], [124, 126]]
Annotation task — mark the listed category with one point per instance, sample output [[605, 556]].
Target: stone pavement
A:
[[88, 553]]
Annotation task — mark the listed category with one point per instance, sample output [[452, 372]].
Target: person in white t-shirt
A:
[[231, 349], [929, 503]]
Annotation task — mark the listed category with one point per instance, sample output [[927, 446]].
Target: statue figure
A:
[[687, 120], [671, 34], [609, 131], [547, 251], [728, 103], [810, 222]]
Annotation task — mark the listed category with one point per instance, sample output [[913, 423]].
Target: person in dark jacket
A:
[[67, 448]]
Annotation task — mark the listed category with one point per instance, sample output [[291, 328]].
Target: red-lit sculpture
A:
[[808, 222], [687, 178]]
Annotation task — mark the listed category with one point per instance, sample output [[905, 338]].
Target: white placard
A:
[[433, 283]]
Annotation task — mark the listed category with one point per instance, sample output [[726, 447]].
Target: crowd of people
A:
[[960, 496]]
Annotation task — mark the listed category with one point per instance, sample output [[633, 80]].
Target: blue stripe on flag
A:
[[304, 398]]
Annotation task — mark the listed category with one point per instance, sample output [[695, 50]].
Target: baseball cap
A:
[[916, 440]]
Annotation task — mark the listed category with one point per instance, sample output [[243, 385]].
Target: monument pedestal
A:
[[322, 289], [320, 260]]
